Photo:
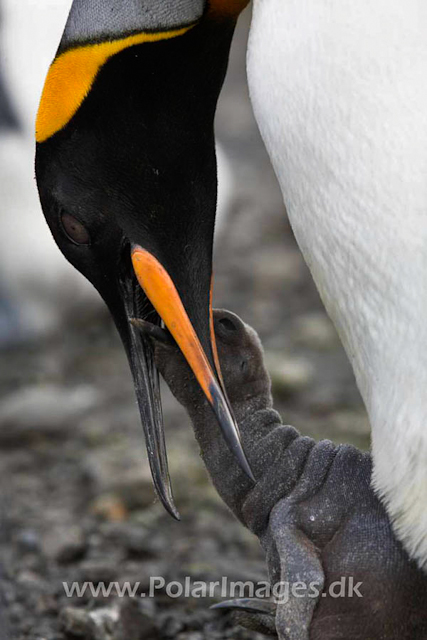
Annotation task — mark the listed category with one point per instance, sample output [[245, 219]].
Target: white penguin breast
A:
[[339, 91]]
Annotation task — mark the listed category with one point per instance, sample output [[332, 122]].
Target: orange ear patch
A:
[[71, 76], [227, 8]]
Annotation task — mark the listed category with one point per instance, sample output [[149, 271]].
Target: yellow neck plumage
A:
[[72, 75]]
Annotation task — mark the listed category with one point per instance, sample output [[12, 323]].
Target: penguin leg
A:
[[252, 613], [295, 561]]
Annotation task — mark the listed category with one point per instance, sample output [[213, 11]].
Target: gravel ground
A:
[[77, 502]]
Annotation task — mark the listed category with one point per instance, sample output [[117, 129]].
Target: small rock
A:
[[46, 604], [105, 622], [16, 612], [289, 374], [134, 623], [65, 545], [122, 476], [125, 620], [77, 623], [277, 266], [171, 626], [355, 422], [199, 619], [110, 507], [315, 331], [192, 635], [43, 411], [31, 580], [28, 541], [135, 488], [141, 544], [97, 571], [42, 631], [322, 398]]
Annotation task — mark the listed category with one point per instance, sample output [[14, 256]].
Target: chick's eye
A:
[[74, 229]]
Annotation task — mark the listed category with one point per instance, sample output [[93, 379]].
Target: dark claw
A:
[[230, 430], [152, 330], [252, 605], [252, 613]]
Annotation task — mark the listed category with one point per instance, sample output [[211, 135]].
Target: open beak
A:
[[139, 349], [163, 296]]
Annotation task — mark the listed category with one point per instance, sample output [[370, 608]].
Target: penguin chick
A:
[[312, 507]]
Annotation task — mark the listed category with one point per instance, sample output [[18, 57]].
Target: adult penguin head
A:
[[126, 172]]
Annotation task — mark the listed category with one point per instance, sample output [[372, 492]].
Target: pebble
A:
[[77, 623], [134, 623], [28, 540], [105, 622], [124, 620], [347, 421], [43, 411], [171, 626], [65, 545], [109, 507], [315, 331], [31, 580], [276, 266], [121, 477], [135, 488], [139, 543], [96, 571], [289, 374]]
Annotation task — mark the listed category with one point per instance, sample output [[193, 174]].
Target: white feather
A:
[[339, 91]]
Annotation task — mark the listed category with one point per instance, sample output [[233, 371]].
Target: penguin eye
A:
[[74, 229]]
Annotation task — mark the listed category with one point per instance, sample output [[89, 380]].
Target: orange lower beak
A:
[[161, 291]]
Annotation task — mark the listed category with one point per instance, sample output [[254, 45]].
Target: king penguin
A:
[[127, 180]]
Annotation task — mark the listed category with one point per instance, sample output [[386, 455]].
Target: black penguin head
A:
[[127, 181]]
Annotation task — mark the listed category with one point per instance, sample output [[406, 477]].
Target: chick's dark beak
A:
[[162, 294]]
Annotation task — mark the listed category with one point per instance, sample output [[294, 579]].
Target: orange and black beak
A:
[[162, 296]]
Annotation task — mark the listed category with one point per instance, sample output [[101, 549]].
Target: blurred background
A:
[[76, 499]]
